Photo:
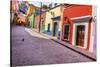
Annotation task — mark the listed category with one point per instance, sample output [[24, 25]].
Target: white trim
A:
[[86, 34], [93, 24], [91, 37], [64, 30], [80, 17], [94, 10]]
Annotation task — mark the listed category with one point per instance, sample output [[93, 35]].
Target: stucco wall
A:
[[57, 12], [78, 10], [74, 12], [31, 19], [48, 21], [37, 19]]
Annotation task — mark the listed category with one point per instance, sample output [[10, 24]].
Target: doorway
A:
[[48, 28], [66, 32], [43, 26], [80, 33], [55, 29]]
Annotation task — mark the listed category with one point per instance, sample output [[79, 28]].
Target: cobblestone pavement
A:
[[33, 50]]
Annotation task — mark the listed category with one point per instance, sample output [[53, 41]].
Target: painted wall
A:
[[31, 19], [93, 39], [74, 12], [43, 17], [78, 10], [48, 21], [53, 13], [30, 10], [37, 20]]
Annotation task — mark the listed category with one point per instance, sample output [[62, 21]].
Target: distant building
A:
[[31, 15], [42, 23]]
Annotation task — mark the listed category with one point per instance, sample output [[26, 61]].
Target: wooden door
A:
[[80, 34]]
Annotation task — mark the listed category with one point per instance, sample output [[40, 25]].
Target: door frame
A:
[[53, 29], [86, 34], [64, 31]]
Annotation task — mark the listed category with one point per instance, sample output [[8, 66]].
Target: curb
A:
[[78, 50]]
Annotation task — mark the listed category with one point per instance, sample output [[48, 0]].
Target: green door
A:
[[43, 27], [31, 21]]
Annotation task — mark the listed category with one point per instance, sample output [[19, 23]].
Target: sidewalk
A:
[[74, 48]]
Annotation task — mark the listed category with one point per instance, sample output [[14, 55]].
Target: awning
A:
[[85, 19], [56, 18]]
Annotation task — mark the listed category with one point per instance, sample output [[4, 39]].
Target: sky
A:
[[36, 3]]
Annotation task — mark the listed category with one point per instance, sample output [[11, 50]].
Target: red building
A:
[[76, 25]]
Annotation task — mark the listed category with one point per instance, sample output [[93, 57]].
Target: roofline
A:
[[41, 13], [53, 8]]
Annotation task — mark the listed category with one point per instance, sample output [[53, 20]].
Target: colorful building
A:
[[54, 21], [30, 14], [73, 24], [77, 26], [42, 23], [31, 21]]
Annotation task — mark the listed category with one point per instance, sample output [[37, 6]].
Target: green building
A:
[[31, 21]]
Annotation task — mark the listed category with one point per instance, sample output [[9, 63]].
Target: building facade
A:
[[77, 26], [42, 22], [31, 15], [54, 21], [31, 20]]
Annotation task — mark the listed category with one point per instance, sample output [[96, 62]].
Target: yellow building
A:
[[53, 23], [30, 9], [30, 14]]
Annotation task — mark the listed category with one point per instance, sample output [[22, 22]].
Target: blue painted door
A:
[[55, 29]]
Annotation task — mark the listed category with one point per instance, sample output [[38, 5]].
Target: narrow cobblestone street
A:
[[32, 50]]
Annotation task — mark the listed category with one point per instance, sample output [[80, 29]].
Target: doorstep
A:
[[74, 48]]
